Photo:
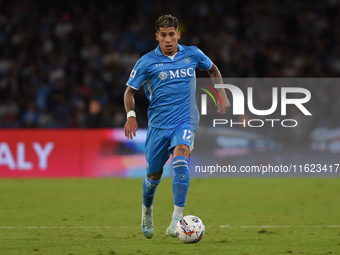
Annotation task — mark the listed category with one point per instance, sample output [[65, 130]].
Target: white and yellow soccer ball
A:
[[190, 229]]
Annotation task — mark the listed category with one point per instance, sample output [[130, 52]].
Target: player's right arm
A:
[[137, 78], [131, 125]]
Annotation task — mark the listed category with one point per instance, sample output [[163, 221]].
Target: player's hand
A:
[[130, 127], [222, 109]]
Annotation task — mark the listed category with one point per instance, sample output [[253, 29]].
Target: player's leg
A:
[[180, 185], [181, 178], [182, 141], [150, 184], [156, 152]]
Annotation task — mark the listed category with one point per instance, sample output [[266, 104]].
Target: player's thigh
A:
[[184, 134], [156, 149]]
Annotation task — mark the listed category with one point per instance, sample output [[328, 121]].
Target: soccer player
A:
[[167, 74]]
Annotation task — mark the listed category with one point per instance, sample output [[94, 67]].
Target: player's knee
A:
[[156, 176], [182, 150]]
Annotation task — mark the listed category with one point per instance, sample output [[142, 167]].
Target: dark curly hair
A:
[[166, 21]]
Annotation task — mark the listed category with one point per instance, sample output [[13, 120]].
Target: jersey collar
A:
[[158, 51]]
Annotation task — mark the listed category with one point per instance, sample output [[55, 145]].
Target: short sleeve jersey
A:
[[169, 84]]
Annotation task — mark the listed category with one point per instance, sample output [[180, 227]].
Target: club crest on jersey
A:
[[162, 75], [187, 60]]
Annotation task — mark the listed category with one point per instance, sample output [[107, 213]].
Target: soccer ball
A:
[[190, 229]]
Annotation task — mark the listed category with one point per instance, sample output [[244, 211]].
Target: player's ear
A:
[[179, 34], [156, 34]]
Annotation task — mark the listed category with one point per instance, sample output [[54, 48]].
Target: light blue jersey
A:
[[169, 84]]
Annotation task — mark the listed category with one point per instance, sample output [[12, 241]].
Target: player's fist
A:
[[130, 127]]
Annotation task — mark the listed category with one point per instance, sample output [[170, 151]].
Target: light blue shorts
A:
[[160, 143]]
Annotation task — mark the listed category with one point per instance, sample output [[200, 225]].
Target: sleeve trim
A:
[[208, 68], [131, 86]]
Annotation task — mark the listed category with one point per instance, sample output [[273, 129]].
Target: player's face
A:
[[168, 40]]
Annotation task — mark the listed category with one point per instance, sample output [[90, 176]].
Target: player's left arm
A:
[[216, 78]]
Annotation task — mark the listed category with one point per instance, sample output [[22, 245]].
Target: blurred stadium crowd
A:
[[64, 64]]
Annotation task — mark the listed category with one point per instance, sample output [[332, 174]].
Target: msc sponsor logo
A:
[[162, 75], [179, 73]]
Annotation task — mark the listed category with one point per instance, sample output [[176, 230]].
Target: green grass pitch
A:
[[102, 216]]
